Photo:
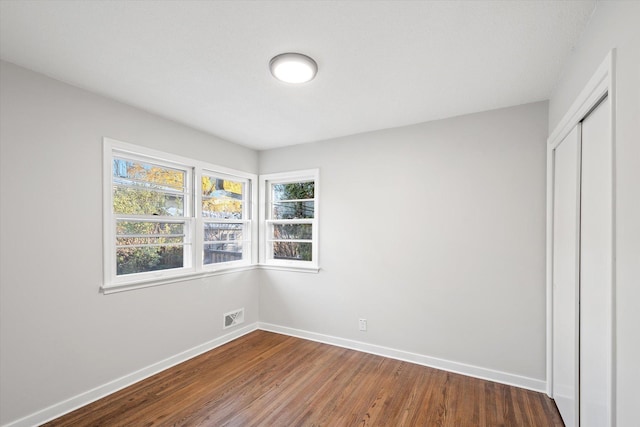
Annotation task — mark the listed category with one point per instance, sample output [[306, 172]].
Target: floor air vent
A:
[[233, 318]]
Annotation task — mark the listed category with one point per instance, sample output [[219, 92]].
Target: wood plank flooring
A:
[[267, 379]]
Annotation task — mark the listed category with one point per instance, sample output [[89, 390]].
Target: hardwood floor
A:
[[267, 379]]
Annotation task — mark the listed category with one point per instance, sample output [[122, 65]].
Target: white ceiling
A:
[[381, 64]]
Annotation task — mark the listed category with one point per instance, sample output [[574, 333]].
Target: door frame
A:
[[601, 84]]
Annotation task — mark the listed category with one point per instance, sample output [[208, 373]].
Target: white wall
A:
[[435, 233], [60, 336], [617, 25]]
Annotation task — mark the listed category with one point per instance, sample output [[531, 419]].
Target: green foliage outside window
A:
[[293, 201], [144, 189]]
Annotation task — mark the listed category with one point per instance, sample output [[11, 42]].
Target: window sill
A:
[[122, 287], [294, 268]]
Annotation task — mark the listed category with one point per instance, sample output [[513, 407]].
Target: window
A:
[[160, 226], [225, 219], [151, 216], [290, 217]]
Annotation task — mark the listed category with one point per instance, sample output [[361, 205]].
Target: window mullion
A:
[[198, 238]]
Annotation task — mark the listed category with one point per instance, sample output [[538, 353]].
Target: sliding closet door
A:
[[566, 235], [596, 269]]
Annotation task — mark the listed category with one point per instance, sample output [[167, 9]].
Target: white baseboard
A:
[[432, 362], [82, 399]]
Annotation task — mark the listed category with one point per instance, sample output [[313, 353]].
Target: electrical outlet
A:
[[363, 324]]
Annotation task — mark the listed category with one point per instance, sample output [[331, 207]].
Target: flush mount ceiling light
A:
[[293, 68]]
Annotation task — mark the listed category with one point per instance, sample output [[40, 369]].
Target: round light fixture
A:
[[293, 68]]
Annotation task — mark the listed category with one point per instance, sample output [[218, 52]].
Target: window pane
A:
[[293, 191], [222, 252], [292, 251], [148, 246], [293, 210], [140, 201], [222, 198], [141, 259], [141, 188], [147, 175], [222, 232], [292, 231]]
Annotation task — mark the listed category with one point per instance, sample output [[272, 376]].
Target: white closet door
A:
[[595, 269], [566, 235]]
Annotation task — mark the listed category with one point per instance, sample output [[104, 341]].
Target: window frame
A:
[[246, 221], [266, 221], [192, 217]]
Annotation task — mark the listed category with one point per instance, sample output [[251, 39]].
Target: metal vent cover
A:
[[233, 318]]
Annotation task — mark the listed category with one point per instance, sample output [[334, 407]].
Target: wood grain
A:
[[267, 379]]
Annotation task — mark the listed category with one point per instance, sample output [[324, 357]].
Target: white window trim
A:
[[193, 217], [283, 178]]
